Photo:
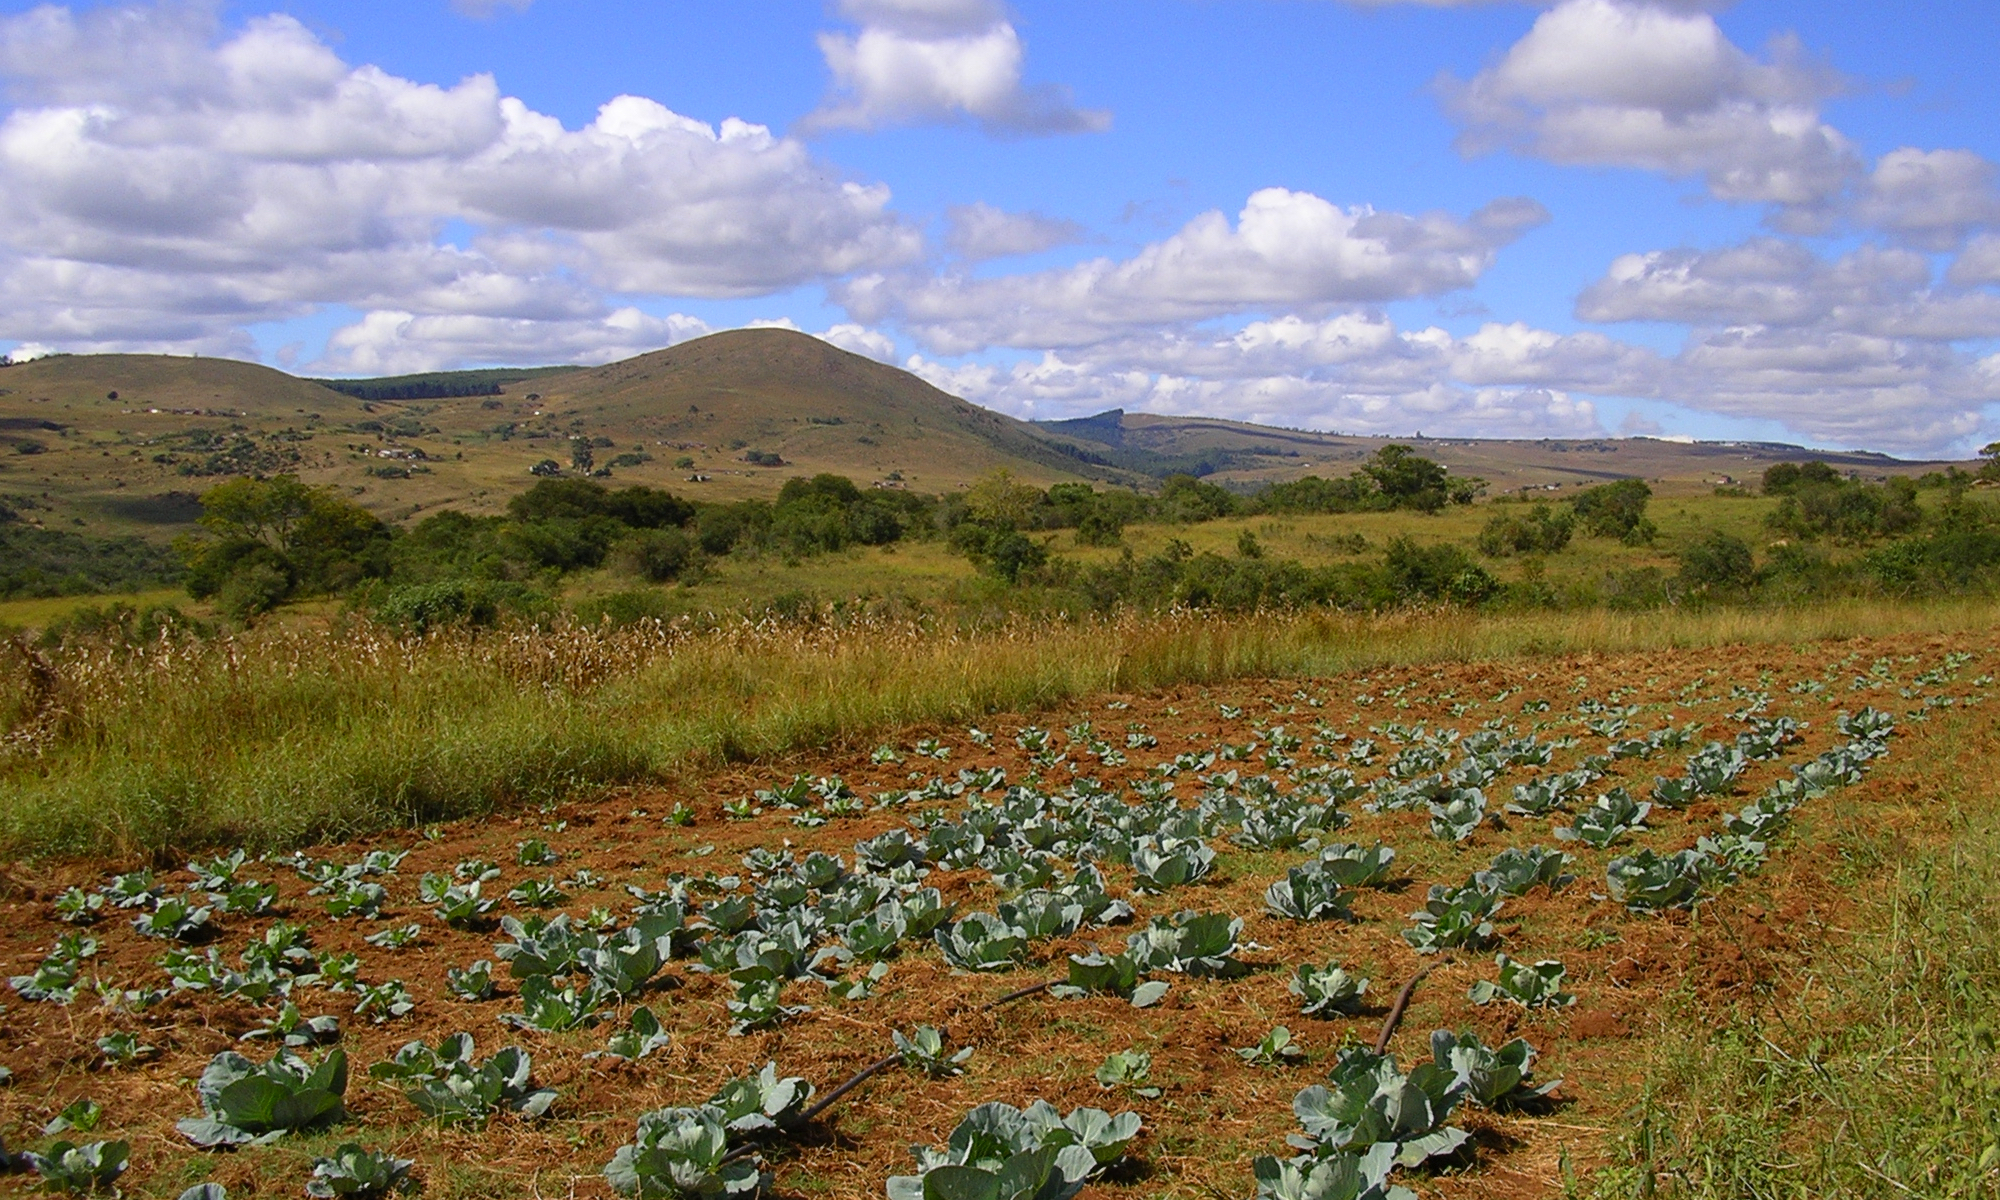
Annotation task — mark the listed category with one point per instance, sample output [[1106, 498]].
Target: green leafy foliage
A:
[[982, 942], [1453, 918], [1307, 893], [1354, 866], [457, 905], [1004, 1153], [446, 1085], [1458, 814], [1649, 882], [1499, 1078], [79, 1116], [1161, 863], [641, 1037], [1324, 991], [91, 1167], [384, 1002], [924, 1051], [473, 983], [1131, 1070], [1614, 815], [1111, 975], [174, 917], [761, 1102], [1190, 943], [353, 1171], [1273, 1049], [245, 1102], [1368, 1102], [78, 907], [1515, 872], [680, 1154], [290, 1027], [552, 1007], [1536, 985]]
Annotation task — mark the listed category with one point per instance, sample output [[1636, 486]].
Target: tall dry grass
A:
[[281, 736]]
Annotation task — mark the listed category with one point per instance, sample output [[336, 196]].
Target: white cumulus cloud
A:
[[166, 181], [1286, 249], [980, 231], [1629, 84], [929, 61]]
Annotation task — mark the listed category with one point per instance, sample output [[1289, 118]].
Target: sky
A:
[[1773, 219]]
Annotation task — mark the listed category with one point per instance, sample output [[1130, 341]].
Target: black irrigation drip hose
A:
[[859, 1077], [1402, 1003], [1020, 994]]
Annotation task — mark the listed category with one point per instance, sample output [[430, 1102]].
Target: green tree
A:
[[270, 539]]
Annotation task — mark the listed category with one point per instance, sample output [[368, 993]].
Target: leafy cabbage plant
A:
[[999, 1151], [681, 1152], [1530, 985], [1323, 991], [244, 1102]]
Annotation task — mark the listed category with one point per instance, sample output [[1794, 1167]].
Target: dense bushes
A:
[[1816, 503], [1616, 510], [1542, 531], [53, 562]]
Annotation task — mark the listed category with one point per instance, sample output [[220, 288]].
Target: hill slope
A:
[[123, 443]]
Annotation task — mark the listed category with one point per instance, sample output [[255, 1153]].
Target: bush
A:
[[1542, 531], [1616, 510], [253, 589], [424, 606], [1442, 572], [656, 555], [1719, 562]]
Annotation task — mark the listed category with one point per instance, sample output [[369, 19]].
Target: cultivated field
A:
[[1745, 879]]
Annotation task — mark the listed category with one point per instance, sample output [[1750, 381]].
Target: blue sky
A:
[[1773, 220]]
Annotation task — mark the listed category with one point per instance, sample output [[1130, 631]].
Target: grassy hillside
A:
[[123, 443]]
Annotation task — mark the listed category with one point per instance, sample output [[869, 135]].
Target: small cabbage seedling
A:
[[473, 983], [78, 907], [641, 1037], [552, 1008], [924, 1051], [91, 1167], [80, 1116], [360, 1174], [1131, 1070], [291, 1028], [761, 1102], [1272, 1049], [173, 917], [122, 1049], [384, 1002], [395, 937]]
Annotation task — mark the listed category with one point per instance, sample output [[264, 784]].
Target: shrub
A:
[[1616, 510], [1718, 563], [1542, 531], [655, 555]]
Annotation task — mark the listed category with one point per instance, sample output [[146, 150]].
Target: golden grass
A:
[[287, 735]]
